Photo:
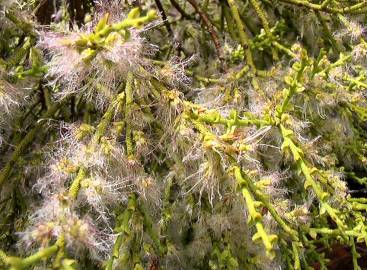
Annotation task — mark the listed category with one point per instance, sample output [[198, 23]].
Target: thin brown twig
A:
[[211, 31], [164, 17]]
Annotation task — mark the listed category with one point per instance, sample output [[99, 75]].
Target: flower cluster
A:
[[130, 142]]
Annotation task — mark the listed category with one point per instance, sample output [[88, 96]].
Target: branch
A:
[[355, 9], [210, 29]]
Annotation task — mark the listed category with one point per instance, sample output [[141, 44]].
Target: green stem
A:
[[25, 142], [129, 102], [355, 9], [75, 185], [123, 229], [244, 39], [355, 255], [40, 255], [260, 197], [264, 20], [43, 254], [100, 131]]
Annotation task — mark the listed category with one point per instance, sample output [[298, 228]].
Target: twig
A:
[[164, 17], [211, 31]]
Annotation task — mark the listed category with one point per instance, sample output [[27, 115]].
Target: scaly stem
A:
[[244, 39], [75, 185], [129, 102]]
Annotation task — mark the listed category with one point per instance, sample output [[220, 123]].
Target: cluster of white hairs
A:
[[10, 97], [353, 30], [55, 219], [97, 78], [111, 177], [151, 163], [97, 75], [173, 71], [13, 96]]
